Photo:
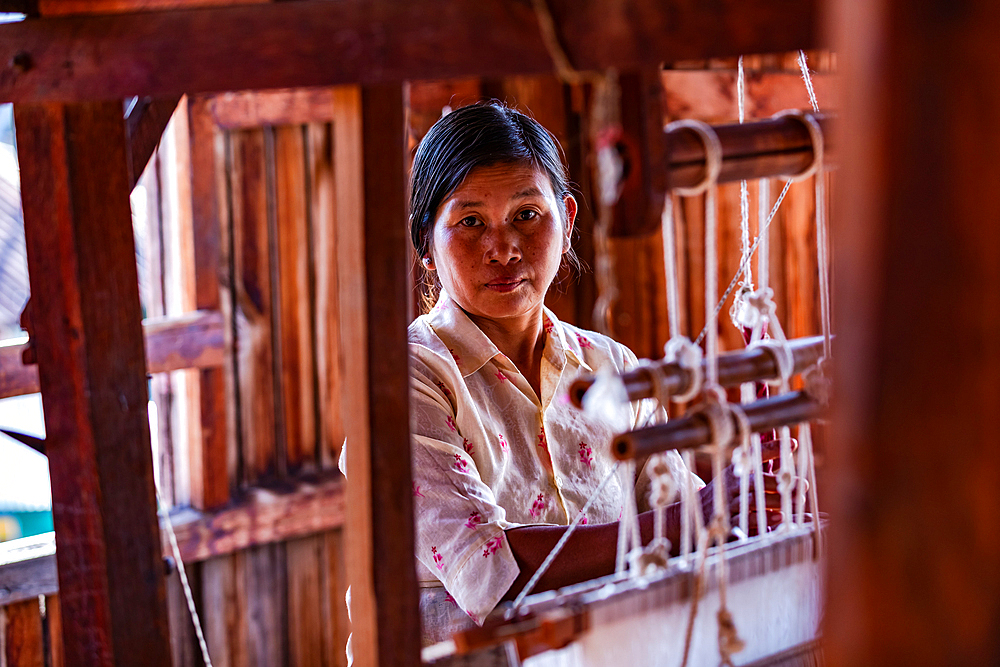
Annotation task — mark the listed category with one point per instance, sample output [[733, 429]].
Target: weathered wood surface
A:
[[194, 340], [391, 498], [296, 106], [316, 43], [266, 516], [81, 259], [144, 126], [917, 277], [23, 640], [213, 446], [84, 7], [294, 317]]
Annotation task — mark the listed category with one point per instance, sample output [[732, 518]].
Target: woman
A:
[[501, 461]]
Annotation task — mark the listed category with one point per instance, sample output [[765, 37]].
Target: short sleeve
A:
[[459, 525]]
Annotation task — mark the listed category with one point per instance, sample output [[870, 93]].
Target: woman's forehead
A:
[[498, 184]]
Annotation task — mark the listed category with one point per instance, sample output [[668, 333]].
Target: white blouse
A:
[[489, 454]]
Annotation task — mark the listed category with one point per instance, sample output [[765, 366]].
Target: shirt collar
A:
[[471, 348]]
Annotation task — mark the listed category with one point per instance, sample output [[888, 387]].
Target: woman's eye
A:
[[527, 214], [470, 221]]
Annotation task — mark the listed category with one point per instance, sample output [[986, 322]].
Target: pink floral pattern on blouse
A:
[[477, 468]]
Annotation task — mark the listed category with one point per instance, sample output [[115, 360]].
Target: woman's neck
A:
[[522, 340]]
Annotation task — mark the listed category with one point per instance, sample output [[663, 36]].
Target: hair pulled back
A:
[[479, 135]]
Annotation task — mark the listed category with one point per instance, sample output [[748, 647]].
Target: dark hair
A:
[[480, 135]]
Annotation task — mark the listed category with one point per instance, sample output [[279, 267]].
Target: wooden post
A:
[[373, 298], [915, 452], [88, 339]]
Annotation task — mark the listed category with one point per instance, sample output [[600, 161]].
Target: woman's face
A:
[[498, 241]]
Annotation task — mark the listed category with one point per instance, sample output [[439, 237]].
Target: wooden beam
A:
[[265, 516], [319, 43], [81, 261], [247, 109], [144, 126], [194, 340], [372, 275], [918, 283]]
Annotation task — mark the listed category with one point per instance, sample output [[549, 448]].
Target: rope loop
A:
[[658, 379], [681, 351], [713, 153], [719, 415], [759, 305], [818, 383], [815, 135], [783, 357]]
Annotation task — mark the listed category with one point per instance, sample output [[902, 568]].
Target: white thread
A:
[[764, 256], [804, 68], [753, 248], [185, 585], [713, 154], [816, 139], [744, 195], [823, 257], [533, 581], [670, 266]]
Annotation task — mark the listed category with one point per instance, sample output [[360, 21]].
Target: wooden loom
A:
[[892, 241]]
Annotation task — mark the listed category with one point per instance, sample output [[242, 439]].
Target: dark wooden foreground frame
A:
[[76, 176]]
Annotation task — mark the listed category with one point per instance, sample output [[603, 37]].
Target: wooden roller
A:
[[754, 364], [693, 431]]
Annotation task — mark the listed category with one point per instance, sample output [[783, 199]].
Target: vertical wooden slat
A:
[[336, 625], [294, 322], [81, 259], [53, 614], [23, 643], [267, 605], [183, 643], [211, 456], [306, 594], [255, 365], [323, 200], [918, 294], [225, 601]]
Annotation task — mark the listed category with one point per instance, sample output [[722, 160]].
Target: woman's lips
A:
[[505, 284]]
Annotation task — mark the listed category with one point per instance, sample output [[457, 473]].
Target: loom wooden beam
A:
[[318, 43], [693, 431], [917, 277], [758, 149], [194, 340], [756, 364], [144, 126], [81, 260]]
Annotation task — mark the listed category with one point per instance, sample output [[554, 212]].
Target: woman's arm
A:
[[591, 550]]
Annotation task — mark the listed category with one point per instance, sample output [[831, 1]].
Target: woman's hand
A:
[[770, 451]]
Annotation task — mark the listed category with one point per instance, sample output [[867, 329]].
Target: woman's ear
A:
[[569, 205]]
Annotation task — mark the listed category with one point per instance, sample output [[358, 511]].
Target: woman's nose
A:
[[503, 246]]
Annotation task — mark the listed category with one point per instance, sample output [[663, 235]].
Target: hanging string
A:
[[804, 68], [744, 195], [168, 526], [739, 271]]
